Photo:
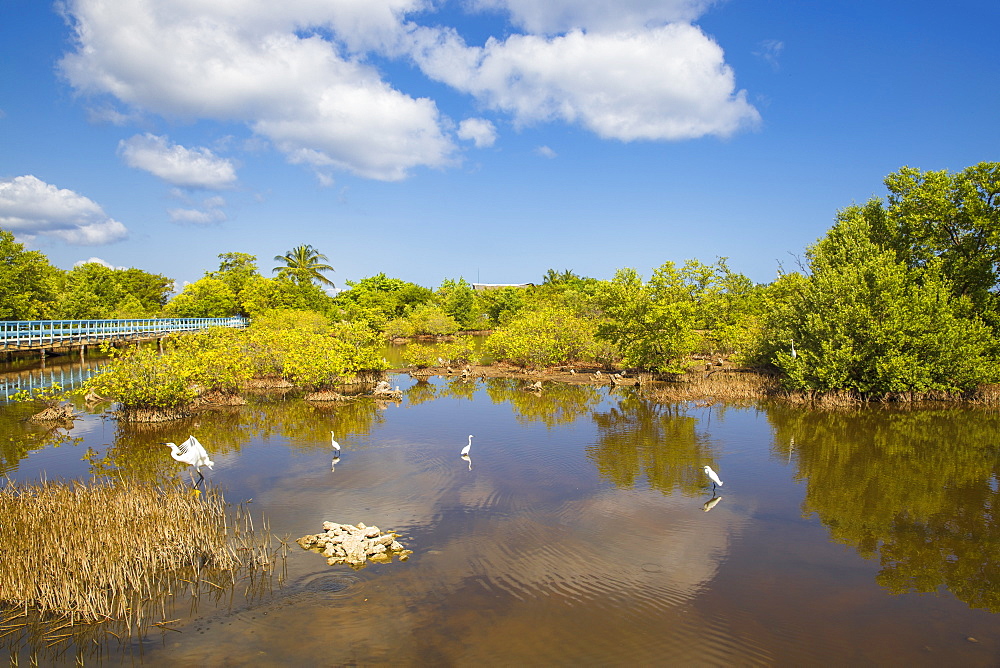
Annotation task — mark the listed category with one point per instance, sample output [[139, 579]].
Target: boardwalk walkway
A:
[[43, 335]]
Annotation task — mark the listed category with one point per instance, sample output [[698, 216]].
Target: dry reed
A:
[[77, 556], [751, 385], [730, 385]]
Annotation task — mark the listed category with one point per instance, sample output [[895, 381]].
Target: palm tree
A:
[[303, 265]]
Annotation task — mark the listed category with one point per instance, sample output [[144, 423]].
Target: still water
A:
[[580, 535]]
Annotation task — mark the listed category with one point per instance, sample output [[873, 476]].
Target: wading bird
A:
[[333, 442], [192, 453], [712, 476], [465, 450]]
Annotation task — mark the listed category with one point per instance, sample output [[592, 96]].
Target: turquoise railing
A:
[[44, 333]]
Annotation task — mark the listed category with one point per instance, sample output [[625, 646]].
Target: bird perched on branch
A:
[[192, 453]]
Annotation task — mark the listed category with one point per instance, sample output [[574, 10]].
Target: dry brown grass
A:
[[75, 556], [734, 384], [730, 385]]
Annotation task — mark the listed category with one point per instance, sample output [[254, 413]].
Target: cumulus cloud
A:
[[479, 131], [31, 207], [268, 65], [545, 152], [196, 216], [96, 260], [175, 164], [299, 75], [669, 82], [205, 212], [556, 16]]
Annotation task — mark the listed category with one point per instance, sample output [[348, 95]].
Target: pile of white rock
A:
[[354, 544]]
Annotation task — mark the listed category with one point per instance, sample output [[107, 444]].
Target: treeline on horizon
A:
[[900, 296]]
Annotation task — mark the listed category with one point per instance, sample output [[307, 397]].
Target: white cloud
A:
[[545, 152], [196, 216], [30, 207], [175, 164], [298, 73], [257, 62], [479, 131], [96, 260], [556, 16], [669, 82], [770, 51], [205, 212]]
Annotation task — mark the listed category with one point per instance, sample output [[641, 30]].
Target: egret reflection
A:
[[333, 464], [711, 503], [468, 459]]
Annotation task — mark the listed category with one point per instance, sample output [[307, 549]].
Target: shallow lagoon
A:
[[580, 534]]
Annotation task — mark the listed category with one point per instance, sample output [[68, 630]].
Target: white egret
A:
[[192, 453], [333, 442], [794, 354], [465, 450], [713, 477]]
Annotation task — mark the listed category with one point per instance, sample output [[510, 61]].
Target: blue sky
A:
[[484, 139]]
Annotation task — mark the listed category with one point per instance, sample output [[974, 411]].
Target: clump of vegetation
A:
[[51, 399], [900, 298], [115, 551], [445, 354], [300, 348], [547, 336]]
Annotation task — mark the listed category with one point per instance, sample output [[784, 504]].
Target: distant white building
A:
[[481, 287]]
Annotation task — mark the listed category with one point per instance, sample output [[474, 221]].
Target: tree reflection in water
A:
[[661, 442], [916, 489]]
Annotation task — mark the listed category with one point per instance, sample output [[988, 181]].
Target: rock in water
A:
[[354, 544]]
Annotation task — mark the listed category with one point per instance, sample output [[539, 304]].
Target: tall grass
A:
[[113, 554]]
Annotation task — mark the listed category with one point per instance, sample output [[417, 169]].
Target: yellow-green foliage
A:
[[224, 359], [50, 396], [291, 319], [441, 354], [421, 355], [544, 337], [140, 377]]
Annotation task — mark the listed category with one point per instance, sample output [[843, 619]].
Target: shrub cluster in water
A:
[[307, 353]]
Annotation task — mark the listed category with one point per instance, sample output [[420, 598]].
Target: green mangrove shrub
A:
[[543, 337], [224, 360]]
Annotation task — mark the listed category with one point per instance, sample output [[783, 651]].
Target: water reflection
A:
[[68, 371], [558, 404], [663, 444], [589, 515], [914, 489], [711, 503]]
